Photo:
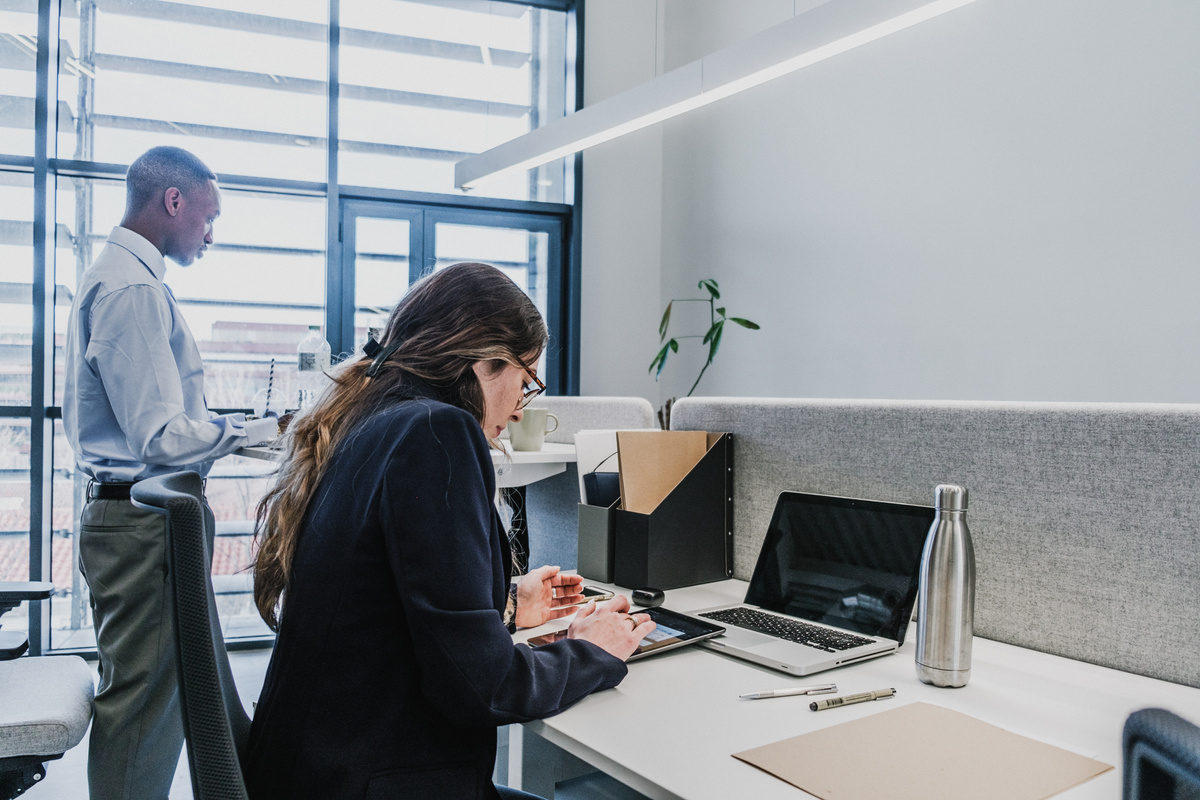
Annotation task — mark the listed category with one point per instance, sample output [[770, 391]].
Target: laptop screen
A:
[[844, 562]]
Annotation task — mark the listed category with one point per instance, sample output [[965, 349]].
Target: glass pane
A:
[[14, 513], [14, 500], [254, 295], [380, 271], [425, 85], [86, 211], [16, 288], [18, 75], [233, 489], [240, 84], [70, 614], [248, 302], [523, 255]]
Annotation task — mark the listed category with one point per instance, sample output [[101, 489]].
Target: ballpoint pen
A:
[[824, 688], [851, 699]]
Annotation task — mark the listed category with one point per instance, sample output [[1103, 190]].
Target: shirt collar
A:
[[141, 248]]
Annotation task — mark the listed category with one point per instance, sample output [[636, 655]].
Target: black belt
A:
[[108, 491], [117, 491]]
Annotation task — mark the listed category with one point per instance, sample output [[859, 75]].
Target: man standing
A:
[[133, 407]]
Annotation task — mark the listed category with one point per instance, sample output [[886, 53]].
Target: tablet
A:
[[674, 630]]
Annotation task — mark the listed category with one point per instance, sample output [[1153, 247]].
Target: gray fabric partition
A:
[[1085, 517], [551, 504]]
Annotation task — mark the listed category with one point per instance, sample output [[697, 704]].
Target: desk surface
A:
[[669, 728], [519, 468]]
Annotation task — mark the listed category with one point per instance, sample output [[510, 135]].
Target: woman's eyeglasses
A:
[[532, 389]]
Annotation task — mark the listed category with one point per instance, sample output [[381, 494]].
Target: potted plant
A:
[[711, 337]]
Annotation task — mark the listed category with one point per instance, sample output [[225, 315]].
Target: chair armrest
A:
[[1161, 755], [12, 594]]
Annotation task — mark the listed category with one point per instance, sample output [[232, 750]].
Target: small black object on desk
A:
[[647, 597]]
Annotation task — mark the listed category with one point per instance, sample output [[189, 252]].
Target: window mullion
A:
[[42, 372]]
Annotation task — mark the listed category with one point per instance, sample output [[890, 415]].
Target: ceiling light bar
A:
[[825, 31]]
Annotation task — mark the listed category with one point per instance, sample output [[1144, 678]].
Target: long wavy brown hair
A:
[[445, 324]]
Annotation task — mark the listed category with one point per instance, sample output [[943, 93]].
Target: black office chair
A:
[[1162, 757], [215, 724], [45, 702]]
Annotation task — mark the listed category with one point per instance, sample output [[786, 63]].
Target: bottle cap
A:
[[950, 497]]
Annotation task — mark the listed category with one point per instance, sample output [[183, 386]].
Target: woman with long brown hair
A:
[[385, 570]]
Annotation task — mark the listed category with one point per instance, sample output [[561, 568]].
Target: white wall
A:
[[621, 230], [1002, 203]]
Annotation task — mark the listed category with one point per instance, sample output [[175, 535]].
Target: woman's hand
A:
[[611, 627], [545, 594]]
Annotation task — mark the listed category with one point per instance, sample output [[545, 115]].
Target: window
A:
[[246, 85], [425, 85], [241, 84], [16, 283], [18, 85]]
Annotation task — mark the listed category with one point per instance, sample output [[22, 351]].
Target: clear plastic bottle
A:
[[312, 366]]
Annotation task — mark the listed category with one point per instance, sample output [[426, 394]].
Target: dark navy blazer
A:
[[393, 666]]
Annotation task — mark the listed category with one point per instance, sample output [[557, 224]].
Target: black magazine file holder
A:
[[688, 538]]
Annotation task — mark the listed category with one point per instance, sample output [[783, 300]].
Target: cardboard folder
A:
[[654, 462], [684, 481], [922, 752]]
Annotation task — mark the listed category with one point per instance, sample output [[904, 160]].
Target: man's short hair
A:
[[159, 169]]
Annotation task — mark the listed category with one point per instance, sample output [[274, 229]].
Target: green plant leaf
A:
[[674, 345], [715, 342], [716, 326], [666, 319], [711, 286], [660, 360], [745, 323], [721, 311]]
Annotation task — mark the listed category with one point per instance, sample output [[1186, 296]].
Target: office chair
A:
[[45, 702], [1162, 757], [216, 726]]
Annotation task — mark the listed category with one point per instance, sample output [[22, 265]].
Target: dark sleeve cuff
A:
[[512, 595]]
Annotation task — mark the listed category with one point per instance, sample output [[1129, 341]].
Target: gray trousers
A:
[[137, 728]]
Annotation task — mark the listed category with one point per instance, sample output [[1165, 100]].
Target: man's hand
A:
[[545, 594]]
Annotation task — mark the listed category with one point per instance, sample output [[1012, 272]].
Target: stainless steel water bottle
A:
[[946, 594]]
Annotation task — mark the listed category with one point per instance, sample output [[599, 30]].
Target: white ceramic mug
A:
[[530, 432]]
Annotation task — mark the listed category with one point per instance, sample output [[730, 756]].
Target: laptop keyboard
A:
[[792, 630]]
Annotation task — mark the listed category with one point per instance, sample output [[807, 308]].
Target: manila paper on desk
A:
[[922, 752]]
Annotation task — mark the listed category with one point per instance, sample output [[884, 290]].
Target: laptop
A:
[[835, 584]]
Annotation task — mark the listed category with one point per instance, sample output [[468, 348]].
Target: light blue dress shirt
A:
[[133, 400]]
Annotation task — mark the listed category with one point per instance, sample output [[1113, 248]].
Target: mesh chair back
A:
[[215, 723], [1162, 756]]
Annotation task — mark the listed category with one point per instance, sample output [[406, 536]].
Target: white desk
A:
[[669, 728], [512, 468]]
